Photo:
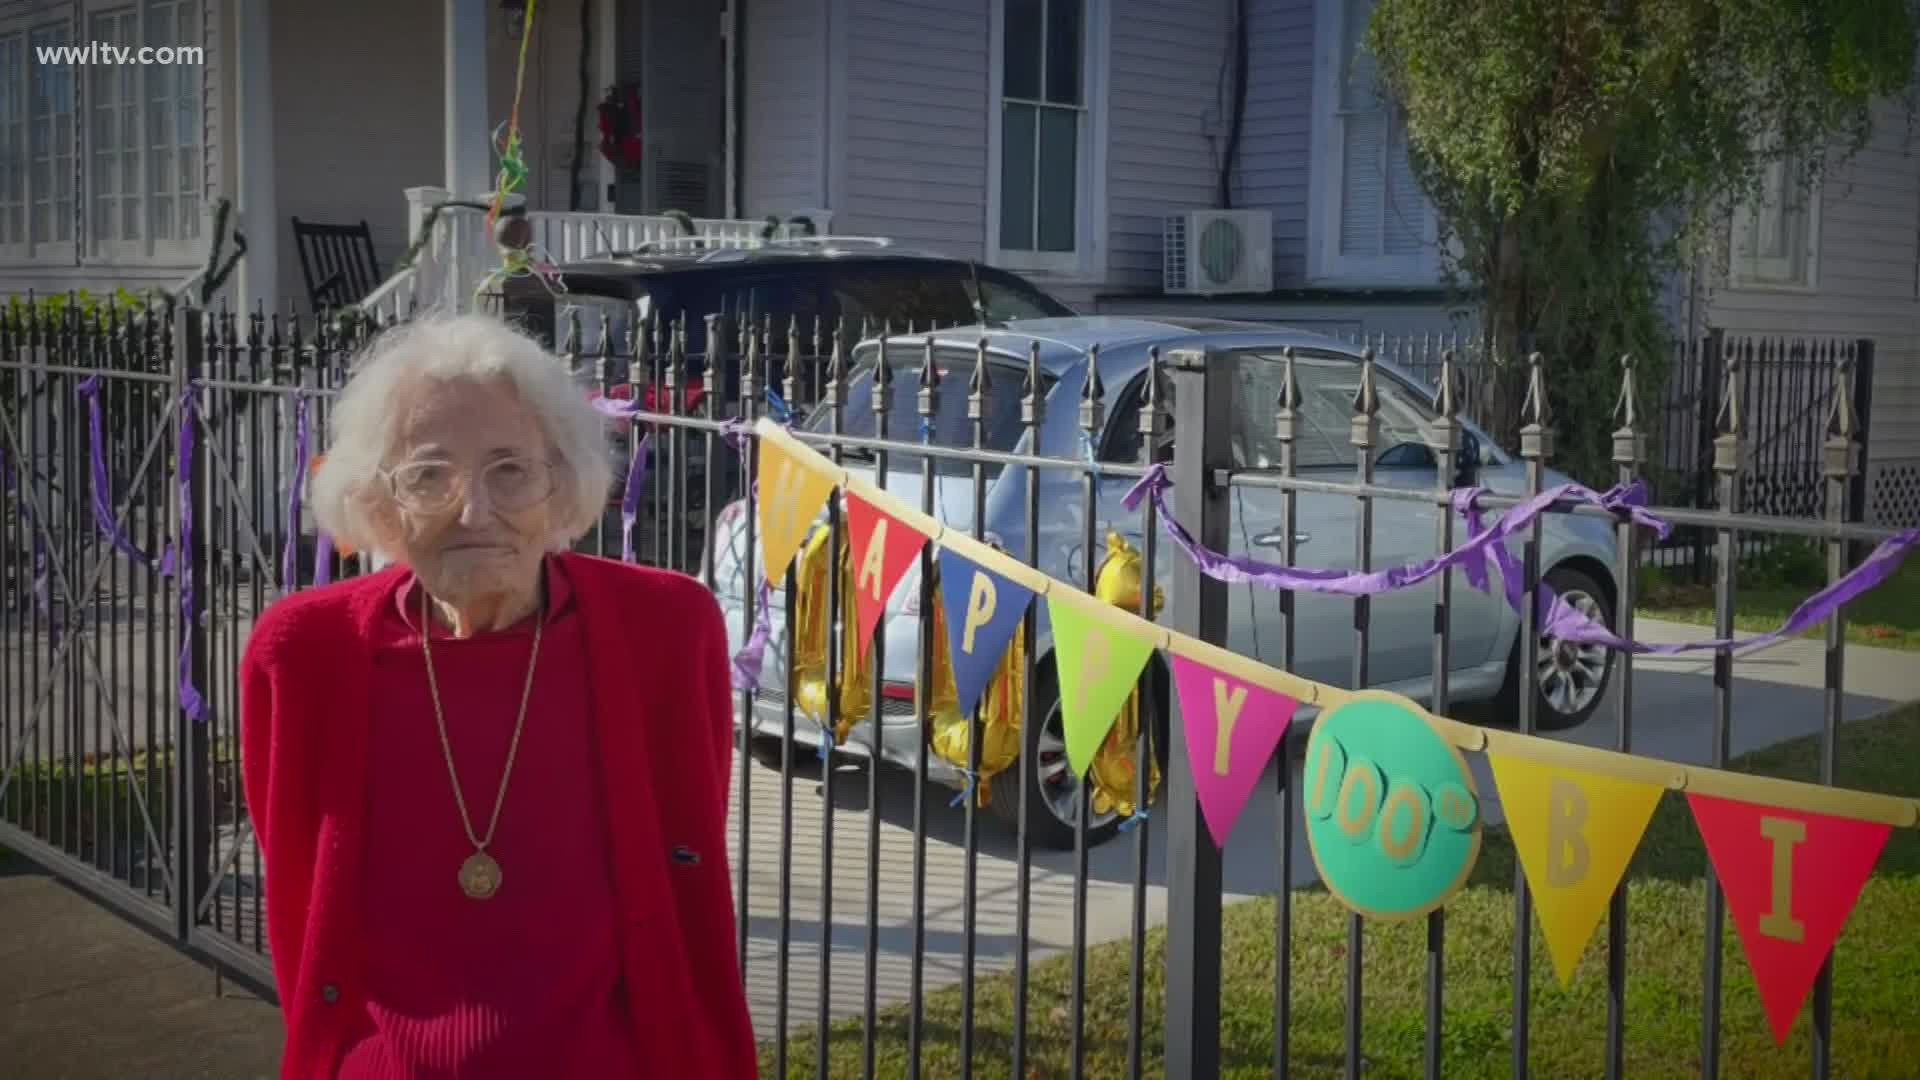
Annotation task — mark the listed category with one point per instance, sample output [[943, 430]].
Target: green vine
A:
[[1580, 152]]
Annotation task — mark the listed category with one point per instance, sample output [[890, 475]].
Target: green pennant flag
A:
[[1098, 663]]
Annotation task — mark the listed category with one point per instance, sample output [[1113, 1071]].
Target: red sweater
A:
[[609, 949]]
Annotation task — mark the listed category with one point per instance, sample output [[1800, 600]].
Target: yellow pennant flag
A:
[[791, 495], [1575, 832]]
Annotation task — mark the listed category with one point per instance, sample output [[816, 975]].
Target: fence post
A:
[[1203, 407], [193, 822], [1712, 349], [1858, 508]]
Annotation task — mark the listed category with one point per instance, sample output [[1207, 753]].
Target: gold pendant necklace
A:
[[480, 873]]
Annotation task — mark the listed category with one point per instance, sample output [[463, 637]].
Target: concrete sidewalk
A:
[[85, 994]]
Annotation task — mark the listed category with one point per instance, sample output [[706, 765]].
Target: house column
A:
[[259, 271], [468, 137]]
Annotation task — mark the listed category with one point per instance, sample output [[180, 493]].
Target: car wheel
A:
[[1568, 680], [1056, 793]]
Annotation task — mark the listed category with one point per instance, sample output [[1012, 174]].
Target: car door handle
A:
[[1276, 538]]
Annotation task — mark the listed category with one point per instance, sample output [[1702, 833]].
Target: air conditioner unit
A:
[[1212, 252]]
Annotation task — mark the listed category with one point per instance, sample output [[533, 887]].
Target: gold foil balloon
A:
[[1113, 772], [1002, 707], [813, 613]]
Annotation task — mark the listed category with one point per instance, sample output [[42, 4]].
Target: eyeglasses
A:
[[430, 487]]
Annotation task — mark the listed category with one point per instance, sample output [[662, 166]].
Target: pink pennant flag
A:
[[1233, 727]]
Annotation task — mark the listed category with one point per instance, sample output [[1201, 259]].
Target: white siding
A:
[[1869, 267], [915, 123], [1275, 148], [786, 109], [1168, 93]]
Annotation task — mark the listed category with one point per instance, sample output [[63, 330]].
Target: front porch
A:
[[389, 142]]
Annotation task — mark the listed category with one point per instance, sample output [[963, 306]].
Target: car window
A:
[[1124, 442], [1004, 298], [949, 425], [1323, 435], [921, 294]]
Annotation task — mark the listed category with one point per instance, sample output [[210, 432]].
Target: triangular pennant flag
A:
[[1097, 663], [1575, 833], [882, 548], [1791, 878], [791, 495], [1232, 729], [983, 609]]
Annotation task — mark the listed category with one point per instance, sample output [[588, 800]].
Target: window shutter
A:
[[1382, 210]]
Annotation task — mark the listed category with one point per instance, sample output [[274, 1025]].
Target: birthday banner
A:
[[1393, 815]]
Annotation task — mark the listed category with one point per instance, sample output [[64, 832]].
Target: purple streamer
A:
[[102, 486], [190, 699], [630, 499], [1485, 546], [290, 554], [1565, 623], [753, 655], [41, 593], [323, 559]]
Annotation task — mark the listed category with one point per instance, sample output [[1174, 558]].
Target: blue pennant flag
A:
[[983, 610]]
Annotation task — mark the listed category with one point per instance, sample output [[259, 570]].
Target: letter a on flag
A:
[[1791, 879], [883, 547], [1575, 833], [983, 610], [791, 495], [1097, 663], [1232, 729]]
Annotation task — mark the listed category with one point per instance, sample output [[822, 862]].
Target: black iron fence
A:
[[135, 555]]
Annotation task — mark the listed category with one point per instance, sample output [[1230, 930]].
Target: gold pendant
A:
[[480, 876]]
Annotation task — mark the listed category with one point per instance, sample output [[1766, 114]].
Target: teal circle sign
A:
[[1392, 813]]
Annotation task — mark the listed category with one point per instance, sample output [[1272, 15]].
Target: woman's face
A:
[[472, 488]]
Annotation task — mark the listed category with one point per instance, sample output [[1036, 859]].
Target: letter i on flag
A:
[[1097, 664], [1791, 879], [983, 611], [1575, 833], [1232, 729], [884, 547], [791, 495]]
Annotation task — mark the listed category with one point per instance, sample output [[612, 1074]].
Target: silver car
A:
[[1576, 553]]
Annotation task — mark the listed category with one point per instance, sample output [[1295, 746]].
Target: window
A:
[[13, 141], [1323, 436], [1044, 141], [112, 153], [1371, 222], [144, 135], [1776, 239], [36, 142]]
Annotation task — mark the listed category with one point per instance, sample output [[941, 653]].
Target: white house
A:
[[1056, 137]]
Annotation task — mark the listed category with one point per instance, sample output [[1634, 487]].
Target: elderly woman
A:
[[490, 781]]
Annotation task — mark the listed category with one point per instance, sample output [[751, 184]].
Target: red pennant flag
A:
[[1791, 879], [883, 548]]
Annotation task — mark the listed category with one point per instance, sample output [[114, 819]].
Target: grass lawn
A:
[[1767, 590], [1876, 1021]]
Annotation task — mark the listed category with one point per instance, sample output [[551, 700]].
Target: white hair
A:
[[346, 490]]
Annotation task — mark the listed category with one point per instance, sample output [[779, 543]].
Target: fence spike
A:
[[1033, 407], [1287, 406], [1150, 426], [790, 386], [929, 384], [1536, 433], [1629, 445], [882, 380], [1091, 394]]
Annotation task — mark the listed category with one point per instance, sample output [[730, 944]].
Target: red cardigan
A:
[[665, 755]]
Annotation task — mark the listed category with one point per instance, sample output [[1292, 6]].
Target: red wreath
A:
[[620, 126]]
